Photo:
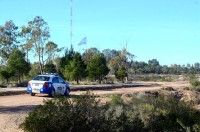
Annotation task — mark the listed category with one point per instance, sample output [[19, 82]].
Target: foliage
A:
[[161, 113], [35, 37], [8, 40], [116, 100], [51, 49], [39, 35], [97, 68], [109, 54], [89, 53], [121, 73], [120, 61], [50, 67], [6, 73], [76, 70], [154, 67], [86, 113], [114, 64], [65, 60], [17, 63], [62, 114], [194, 82], [26, 39], [34, 70]]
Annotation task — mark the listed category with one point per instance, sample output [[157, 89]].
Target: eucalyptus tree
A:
[[110, 53], [51, 49], [88, 54], [26, 39], [8, 40], [120, 60], [39, 35], [121, 73]]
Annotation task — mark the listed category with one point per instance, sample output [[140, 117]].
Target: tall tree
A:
[[39, 36], [8, 40], [120, 60], [34, 69], [51, 49], [88, 54], [114, 64], [121, 73], [197, 66], [50, 67], [18, 64], [76, 70], [97, 68], [27, 40], [65, 60], [6, 73], [109, 54], [154, 66]]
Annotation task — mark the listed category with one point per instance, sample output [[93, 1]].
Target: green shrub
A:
[[194, 82], [64, 114], [116, 99], [161, 113], [86, 113]]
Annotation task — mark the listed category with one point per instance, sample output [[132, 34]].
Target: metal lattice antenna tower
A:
[[71, 23]]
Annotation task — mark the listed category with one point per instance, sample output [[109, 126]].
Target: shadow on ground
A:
[[16, 109]]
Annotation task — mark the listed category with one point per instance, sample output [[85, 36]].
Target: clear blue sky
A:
[[167, 30]]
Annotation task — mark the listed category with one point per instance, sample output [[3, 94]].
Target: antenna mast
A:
[[71, 23]]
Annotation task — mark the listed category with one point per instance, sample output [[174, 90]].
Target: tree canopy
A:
[[76, 69], [8, 40], [39, 34], [97, 68], [18, 64]]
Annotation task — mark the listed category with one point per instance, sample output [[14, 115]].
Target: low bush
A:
[[163, 112], [157, 78], [194, 82], [86, 113]]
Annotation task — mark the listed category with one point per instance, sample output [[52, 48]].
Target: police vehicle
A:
[[48, 83]]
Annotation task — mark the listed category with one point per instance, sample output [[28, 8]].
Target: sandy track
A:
[[14, 109]]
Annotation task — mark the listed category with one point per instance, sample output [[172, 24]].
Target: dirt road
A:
[[14, 109]]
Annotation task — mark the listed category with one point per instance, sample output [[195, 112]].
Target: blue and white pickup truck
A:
[[50, 84]]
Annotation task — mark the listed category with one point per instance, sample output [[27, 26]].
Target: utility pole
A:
[[71, 23]]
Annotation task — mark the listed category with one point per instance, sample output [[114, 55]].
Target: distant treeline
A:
[[17, 43], [154, 67]]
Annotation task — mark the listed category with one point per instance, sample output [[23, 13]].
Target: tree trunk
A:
[[39, 57], [19, 79], [77, 81], [122, 80], [42, 56], [40, 67], [27, 55], [7, 81], [99, 80]]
